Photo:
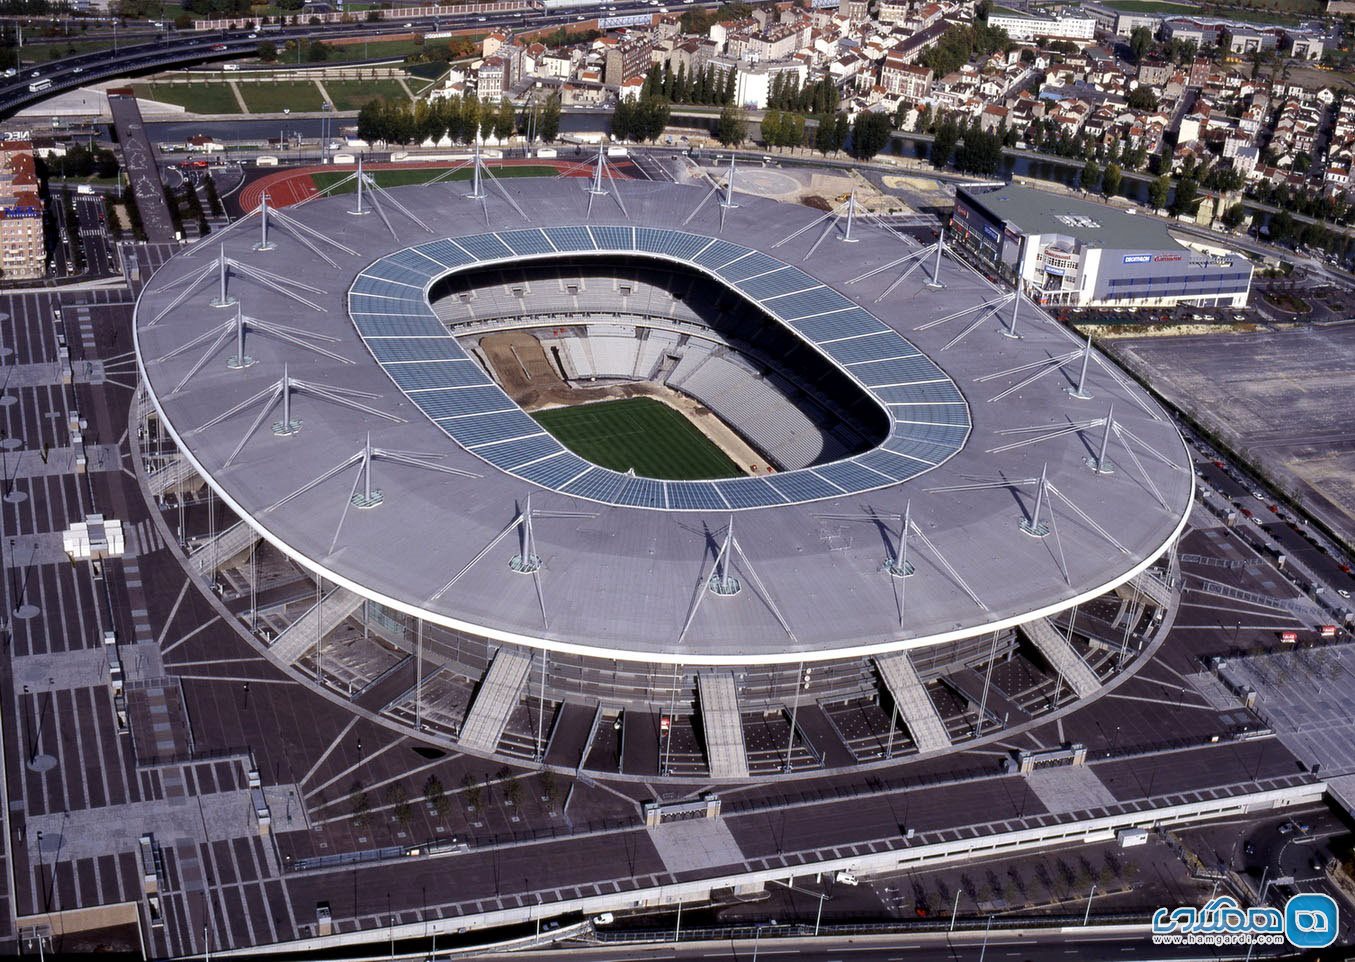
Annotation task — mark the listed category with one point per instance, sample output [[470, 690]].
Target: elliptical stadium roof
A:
[[622, 581]]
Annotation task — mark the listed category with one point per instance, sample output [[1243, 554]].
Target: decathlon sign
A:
[[1138, 258]]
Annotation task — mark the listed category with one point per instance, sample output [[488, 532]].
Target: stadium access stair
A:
[[218, 551], [1065, 659], [303, 634], [915, 706], [494, 702], [722, 725]]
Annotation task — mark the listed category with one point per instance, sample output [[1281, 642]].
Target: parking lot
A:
[[1234, 383]]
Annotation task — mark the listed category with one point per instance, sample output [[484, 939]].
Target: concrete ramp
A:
[[915, 706], [498, 696], [725, 750], [1065, 659], [303, 634], [235, 540]]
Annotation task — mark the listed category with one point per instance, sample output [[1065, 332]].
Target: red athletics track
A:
[[288, 187]]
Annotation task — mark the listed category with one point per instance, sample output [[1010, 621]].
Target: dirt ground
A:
[[520, 364]]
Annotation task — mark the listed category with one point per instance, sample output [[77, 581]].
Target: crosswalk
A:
[[143, 538]]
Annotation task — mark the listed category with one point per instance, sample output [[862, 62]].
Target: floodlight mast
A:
[[1034, 526], [241, 359], [264, 243], [1099, 464], [898, 566], [721, 583], [360, 177], [1080, 392], [597, 187], [728, 201], [477, 189], [1016, 290], [935, 281], [222, 299], [847, 237]]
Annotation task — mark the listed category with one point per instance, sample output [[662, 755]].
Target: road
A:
[[997, 945], [179, 49], [94, 236]]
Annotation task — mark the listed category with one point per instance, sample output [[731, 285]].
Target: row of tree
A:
[[462, 119], [642, 119], [704, 86], [786, 93]]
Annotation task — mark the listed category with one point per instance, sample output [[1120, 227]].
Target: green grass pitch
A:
[[638, 433]]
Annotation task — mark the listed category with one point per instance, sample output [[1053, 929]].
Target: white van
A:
[[265, 160], [546, 153]]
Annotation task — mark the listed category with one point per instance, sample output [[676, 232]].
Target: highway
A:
[[996, 945], [179, 49]]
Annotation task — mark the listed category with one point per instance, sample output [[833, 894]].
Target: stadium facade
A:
[[955, 487], [1069, 252]]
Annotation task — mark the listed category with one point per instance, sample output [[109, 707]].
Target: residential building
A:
[[22, 250]]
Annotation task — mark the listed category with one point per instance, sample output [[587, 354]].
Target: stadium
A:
[[575, 464]]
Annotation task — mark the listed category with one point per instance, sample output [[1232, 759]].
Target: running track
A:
[[288, 187]]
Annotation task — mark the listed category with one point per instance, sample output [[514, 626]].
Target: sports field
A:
[[419, 175], [638, 433]]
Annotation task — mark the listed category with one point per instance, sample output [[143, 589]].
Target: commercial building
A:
[[22, 251], [1079, 254]]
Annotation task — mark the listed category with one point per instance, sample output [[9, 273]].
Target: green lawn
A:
[[1151, 6], [37, 53], [638, 433], [353, 94], [385, 49], [198, 98], [419, 175], [273, 97]]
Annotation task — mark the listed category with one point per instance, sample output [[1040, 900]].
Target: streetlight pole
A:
[[984, 949], [1088, 914], [953, 909], [819, 915], [757, 934]]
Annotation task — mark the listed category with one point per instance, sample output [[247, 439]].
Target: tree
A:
[[1184, 201], [732, 128], [943, 142], [1110, 180], [870, 134], [362, 807], [316, 51], [1158, 191], [1140, 42], [470, 788], [1090, 177], [548, 124], [1234, 216], [268, 51], [435, 795], [505, 120], [1142, 98]]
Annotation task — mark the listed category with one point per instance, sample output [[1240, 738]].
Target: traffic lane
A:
[[1025, 944], [94, 235], [554, 868], [856, 821], [1318, 561], [1302, 550]]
